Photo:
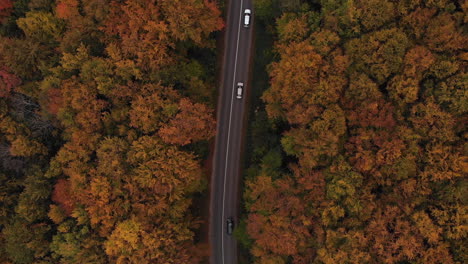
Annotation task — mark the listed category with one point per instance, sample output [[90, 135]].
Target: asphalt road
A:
[[230, 115]]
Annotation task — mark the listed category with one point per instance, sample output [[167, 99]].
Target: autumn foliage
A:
[[370, 99], [6, 6], [8, 81], [61, 195], [101, 145], [194, 122]]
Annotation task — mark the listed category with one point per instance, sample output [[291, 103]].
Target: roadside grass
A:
[[259, 137]]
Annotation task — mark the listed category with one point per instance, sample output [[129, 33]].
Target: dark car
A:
[[230, 225]]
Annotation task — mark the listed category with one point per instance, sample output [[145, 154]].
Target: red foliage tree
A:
[[54, 100], [61, 195], [194, 122], [8, 81], [6, 6], [67, 9]]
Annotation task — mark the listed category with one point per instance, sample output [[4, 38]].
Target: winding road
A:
[[230, 117]]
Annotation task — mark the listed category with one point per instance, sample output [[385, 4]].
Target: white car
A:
[[240, 87], [247, 14]]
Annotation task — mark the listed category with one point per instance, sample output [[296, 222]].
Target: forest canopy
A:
[[102, 104], [370, 98]]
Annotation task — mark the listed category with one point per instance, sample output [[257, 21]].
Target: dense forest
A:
[[360, 148], [106, 109]]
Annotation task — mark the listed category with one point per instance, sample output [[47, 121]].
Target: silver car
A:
[[240, 88], [247, 14]]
